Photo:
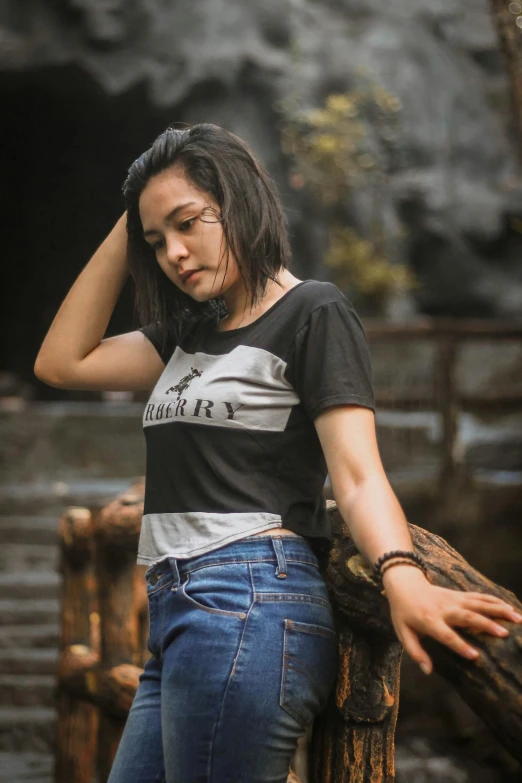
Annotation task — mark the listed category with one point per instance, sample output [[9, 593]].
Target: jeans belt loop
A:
[[280, 554], [175, 571]]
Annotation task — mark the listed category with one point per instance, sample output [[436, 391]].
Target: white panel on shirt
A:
[[243, 389]]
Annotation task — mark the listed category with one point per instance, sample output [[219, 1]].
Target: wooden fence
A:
[[105, 614], [105, 628], [447, 335]]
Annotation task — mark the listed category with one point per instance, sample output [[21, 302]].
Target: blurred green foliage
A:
[[345, 143]]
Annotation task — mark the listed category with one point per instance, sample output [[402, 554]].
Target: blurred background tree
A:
[[508, 19], [352, 140]]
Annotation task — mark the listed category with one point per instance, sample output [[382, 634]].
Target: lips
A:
[[187, 276]]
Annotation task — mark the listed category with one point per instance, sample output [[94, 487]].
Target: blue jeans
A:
[[244, 656]]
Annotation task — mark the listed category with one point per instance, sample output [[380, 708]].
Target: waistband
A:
[[271, 548]]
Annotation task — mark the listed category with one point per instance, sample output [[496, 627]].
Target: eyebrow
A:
[[171, 215]]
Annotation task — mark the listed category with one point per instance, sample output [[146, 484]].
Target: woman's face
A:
[[188, 249]]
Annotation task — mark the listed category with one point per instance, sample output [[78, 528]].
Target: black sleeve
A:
[[330, 360], [164, 346]]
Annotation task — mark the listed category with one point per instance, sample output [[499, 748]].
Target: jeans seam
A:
[[228, 612], [252, 584], [313, 629], [283, 670], [249, 560], [230, 678], [162, 626], [159, 589], [281, 597]]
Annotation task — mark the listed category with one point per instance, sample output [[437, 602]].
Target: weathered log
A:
[[116, 531], [75, 667], [141, 610], [353, 739], [506, 19], [116, 689], [77, 720]]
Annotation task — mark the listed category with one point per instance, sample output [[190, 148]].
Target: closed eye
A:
[[185, 226]]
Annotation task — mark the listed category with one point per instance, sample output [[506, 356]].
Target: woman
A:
[[260, 383]]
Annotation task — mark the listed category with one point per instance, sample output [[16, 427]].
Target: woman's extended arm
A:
[[377, 524], [73, 354]]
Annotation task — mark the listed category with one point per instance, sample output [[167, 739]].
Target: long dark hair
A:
[[254, 224]]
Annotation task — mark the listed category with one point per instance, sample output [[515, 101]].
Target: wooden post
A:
[[447, 407], [510, 38], [77, 722], [117, 528], [353, 739]]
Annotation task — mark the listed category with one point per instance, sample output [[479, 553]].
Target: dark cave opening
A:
[[67, 146]]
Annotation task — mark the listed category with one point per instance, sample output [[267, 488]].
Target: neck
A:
[[237, 300]]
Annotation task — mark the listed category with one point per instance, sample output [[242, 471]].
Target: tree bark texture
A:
[[510, 36], [116, 530], [353, 739], [77, 718]]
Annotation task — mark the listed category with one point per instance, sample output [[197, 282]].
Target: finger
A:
[[475, 621], [496, 608], [410, 642], [493, 610], [493, 599], [484, 596], [447, 636]]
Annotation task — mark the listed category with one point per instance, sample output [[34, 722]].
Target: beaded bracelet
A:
[[411, 556], [400, 561]]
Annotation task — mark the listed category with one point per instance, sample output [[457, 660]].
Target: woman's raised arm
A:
[[74, 354]]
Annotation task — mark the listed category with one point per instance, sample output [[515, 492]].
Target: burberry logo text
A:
[[196, 408]]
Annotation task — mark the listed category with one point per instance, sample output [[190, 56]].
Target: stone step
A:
[[21, 611], [27, 584], [28, 690], [23, 529], [31, 729], [35, 661], [71, 441], [29, 779], [13, 637], [31, 556], [48, 498], [26, 767]]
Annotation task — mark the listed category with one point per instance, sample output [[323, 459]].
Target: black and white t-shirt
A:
[[231, 445]]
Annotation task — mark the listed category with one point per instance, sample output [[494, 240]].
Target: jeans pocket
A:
[[309, 669], [219, 589]]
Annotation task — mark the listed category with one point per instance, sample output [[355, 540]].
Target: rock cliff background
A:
[[87, 85]]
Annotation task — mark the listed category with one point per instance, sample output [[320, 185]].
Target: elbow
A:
[[46, 375]]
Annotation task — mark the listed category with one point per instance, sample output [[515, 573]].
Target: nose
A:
[[176, 250]]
